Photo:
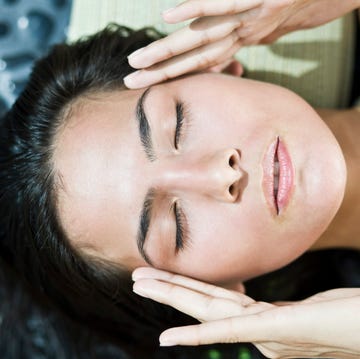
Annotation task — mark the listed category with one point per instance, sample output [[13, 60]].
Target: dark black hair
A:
[[33, 241]]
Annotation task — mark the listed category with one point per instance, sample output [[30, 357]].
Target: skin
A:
[[297, 329], [324, 325], [105, 175], [220, 28]]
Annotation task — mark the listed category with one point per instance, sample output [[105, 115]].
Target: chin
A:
[[323, 188], [320, 181]]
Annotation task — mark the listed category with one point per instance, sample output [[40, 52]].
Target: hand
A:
[[221, 27], [326, 325]]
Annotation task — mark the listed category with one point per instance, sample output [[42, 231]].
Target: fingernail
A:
[[167, 340], [140, 291], [135, 275], [136, 53], [130, 80], [165, 343], [168, 11]]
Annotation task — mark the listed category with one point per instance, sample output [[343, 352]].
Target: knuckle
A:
[[172, 277], [219, 291], [247, 31], [227, 44], [167, 52], [200, 8], [238, 31], [232, 7], [163, 49], [200, 334], [197, 8], [204, 61], [165, 75], [171, 290], [205, 38], [215, 291], [232, 337], [209, 303], [234, 36]]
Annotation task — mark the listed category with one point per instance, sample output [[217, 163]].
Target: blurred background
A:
[[27, 29], [30, 327]]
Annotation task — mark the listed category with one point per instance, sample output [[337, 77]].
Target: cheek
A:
[[230, 243], [226, 244]]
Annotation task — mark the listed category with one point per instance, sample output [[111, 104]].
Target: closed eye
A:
[[180, 115], [182, 237], [182, 231]]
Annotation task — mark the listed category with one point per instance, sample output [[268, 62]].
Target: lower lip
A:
[[286, 177]]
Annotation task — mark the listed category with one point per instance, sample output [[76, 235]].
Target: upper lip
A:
[[278, 176]]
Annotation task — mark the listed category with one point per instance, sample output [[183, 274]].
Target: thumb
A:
[[273, 36], [250, 328], [231, 67]]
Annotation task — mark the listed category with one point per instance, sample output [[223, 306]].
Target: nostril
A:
[[232, 189], [232, 161]]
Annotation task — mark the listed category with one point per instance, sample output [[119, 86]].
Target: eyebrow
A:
[[146, 141], [144, 127], [144, 224]]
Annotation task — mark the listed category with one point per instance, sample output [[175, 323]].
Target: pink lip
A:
[[277, 201], [286, 177]]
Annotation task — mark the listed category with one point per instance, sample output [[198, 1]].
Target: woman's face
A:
[[211, 176]]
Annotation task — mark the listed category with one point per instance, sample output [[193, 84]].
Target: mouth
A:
[[278, 179], [276, 174]]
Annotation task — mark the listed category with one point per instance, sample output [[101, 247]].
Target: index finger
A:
[[190, 283], [183, 40], [198, 8], [229, 330], [194, 60], [257, 327], [196, 304]]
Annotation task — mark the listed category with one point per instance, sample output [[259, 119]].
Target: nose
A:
[[218, 175]]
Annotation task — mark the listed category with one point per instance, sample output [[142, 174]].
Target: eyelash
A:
[[182, 235], [181, 113]]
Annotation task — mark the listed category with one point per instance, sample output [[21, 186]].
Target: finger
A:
[[226, 61], [198, 305], [333, 294], [269, 39], [231, 67], [198, 8], [207, 30], [235, 68], [221, 67], [277, 324], [189, 283], [287, 325], [254, 34], [229, 330], [283, 303], [195, 60], [330, 295]]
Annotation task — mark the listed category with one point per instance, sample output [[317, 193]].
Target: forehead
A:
[[94, 156]]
